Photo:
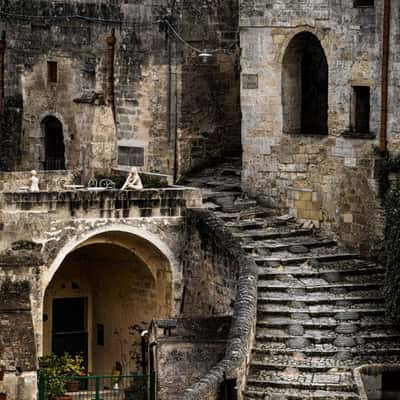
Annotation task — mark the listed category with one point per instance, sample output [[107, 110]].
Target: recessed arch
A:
[[305, 86], [54, 146], [118, 278]]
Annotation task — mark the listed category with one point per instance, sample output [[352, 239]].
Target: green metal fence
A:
[[127, 387]]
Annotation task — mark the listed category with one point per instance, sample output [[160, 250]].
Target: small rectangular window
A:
[[363, 3], [52, 71], [360, 109], [132, 156]]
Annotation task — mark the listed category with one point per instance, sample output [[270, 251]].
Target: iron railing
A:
[[126, 387], [54, 164]]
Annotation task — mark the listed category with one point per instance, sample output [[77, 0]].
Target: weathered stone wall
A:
[[230, 260], [38, 230], [330, 178], [194, 347], [17, 340], [210, 276], [211, 118], [153, 104]]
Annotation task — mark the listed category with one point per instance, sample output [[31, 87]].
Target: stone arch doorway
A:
[[305, 86], [54, 147], [104, 293]]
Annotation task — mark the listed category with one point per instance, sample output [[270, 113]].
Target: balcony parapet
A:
[[86, 203]]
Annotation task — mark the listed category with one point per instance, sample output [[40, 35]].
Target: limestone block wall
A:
[[159, 97], [17, 346], [194, 347], [330, 178]]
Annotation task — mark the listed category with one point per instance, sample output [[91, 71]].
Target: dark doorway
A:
[[70, 327], [54, 144], [305, 86]]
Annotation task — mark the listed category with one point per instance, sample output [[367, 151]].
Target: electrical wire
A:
[[73, 16], [181, 39]]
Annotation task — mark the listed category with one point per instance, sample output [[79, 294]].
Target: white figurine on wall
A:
[[133, 180], [34, 182]]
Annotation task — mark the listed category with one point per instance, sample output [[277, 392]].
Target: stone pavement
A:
[[320, 307]]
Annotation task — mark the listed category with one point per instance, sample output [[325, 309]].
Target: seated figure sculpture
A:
[[133, 181]]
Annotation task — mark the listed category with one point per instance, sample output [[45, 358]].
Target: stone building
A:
[[95, 85], [241, 292], [90, 88], [311, 104]]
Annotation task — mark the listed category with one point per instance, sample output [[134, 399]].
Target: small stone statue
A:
[[133, 181], [34, 182]]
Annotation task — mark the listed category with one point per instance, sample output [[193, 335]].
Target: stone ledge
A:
[[146, 203]]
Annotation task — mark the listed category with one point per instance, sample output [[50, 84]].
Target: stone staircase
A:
[[320, 308]]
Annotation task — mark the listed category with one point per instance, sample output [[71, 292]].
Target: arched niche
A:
[[305, 86]]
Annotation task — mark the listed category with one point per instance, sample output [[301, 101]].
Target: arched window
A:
[[54, 144], [305, 86]]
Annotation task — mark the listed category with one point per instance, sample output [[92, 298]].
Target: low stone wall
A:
[[48, 180], [17, 341], [186, 350], [229, 254], [369, 380], [104, 204]]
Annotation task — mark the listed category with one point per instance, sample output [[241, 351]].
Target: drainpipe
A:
[[2, 68], [385, 75], [111, 40]]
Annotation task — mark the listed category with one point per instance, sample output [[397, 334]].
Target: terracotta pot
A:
[[72, 386]]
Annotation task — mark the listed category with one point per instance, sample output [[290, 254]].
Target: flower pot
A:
[[72, 386]]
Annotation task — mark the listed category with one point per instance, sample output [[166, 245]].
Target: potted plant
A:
[[73, 367], [52, 372]]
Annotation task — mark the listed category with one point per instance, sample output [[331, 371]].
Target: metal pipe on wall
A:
[[2, 69], [111, 40], [385, 74]]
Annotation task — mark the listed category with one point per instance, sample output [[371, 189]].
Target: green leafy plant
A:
[[55, 371], [73, 365], [392, 252], [52, 371]]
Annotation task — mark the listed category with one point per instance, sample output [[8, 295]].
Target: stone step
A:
[[325, 323], [321, 337], [245, 225], [244, 215], [271, 233], [331, 275], [214, 196], [319, 300], [303, 381], [340, 314], [279, 287], [257, 224], [290, 260], [297, 394], [280, 245], [313, 363]]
